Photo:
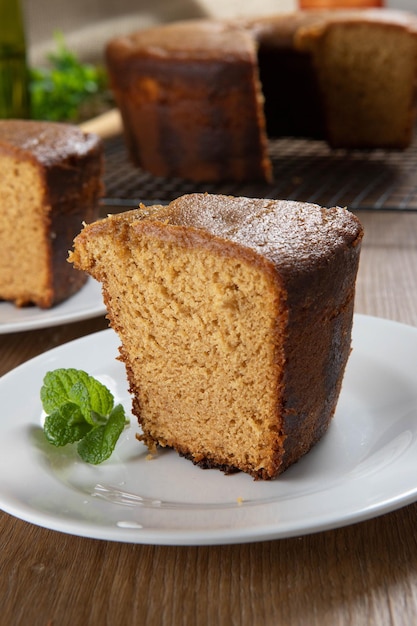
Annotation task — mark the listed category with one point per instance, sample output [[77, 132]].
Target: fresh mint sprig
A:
[[81, 409], [66, 89]]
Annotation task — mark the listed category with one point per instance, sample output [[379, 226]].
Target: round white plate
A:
[[86, 303], [365, 465]]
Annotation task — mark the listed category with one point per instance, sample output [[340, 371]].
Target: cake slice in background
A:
[[50, 184]]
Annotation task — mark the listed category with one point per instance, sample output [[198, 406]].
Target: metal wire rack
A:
[[304, 170]]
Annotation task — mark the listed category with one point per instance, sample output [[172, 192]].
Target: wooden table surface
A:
[[364, 574]]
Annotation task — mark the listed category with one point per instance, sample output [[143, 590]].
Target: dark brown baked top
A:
[[206, 39], [285, 232], [229, 39], [48, 142]]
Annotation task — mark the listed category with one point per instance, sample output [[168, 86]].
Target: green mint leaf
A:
[[76, 386], [81, 409], [99, 442], [67, 89], [65, 425]]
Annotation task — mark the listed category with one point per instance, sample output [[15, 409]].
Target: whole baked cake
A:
[[50, 183], [200, 98], [235, 319]]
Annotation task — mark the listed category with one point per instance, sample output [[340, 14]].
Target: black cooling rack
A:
[[304, 170]]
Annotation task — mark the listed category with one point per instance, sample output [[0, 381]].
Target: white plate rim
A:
[[85, 304], [231, 521]]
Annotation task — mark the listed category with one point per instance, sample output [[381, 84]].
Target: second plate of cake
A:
[[85, 304]]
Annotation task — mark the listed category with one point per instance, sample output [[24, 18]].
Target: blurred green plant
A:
[[67, 89]]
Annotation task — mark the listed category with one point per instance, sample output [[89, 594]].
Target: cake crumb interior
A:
[[24, 259], [202, 347]]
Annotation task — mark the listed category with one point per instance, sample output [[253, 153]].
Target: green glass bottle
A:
[[14, 76]]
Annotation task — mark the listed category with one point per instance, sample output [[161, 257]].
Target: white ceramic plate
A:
[[86, 303], [365, 465]]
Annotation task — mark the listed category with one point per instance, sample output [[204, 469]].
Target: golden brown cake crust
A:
[[69, 165], [307, 257]]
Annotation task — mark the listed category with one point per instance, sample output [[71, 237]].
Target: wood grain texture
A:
[[362, 575], [387, 279]]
